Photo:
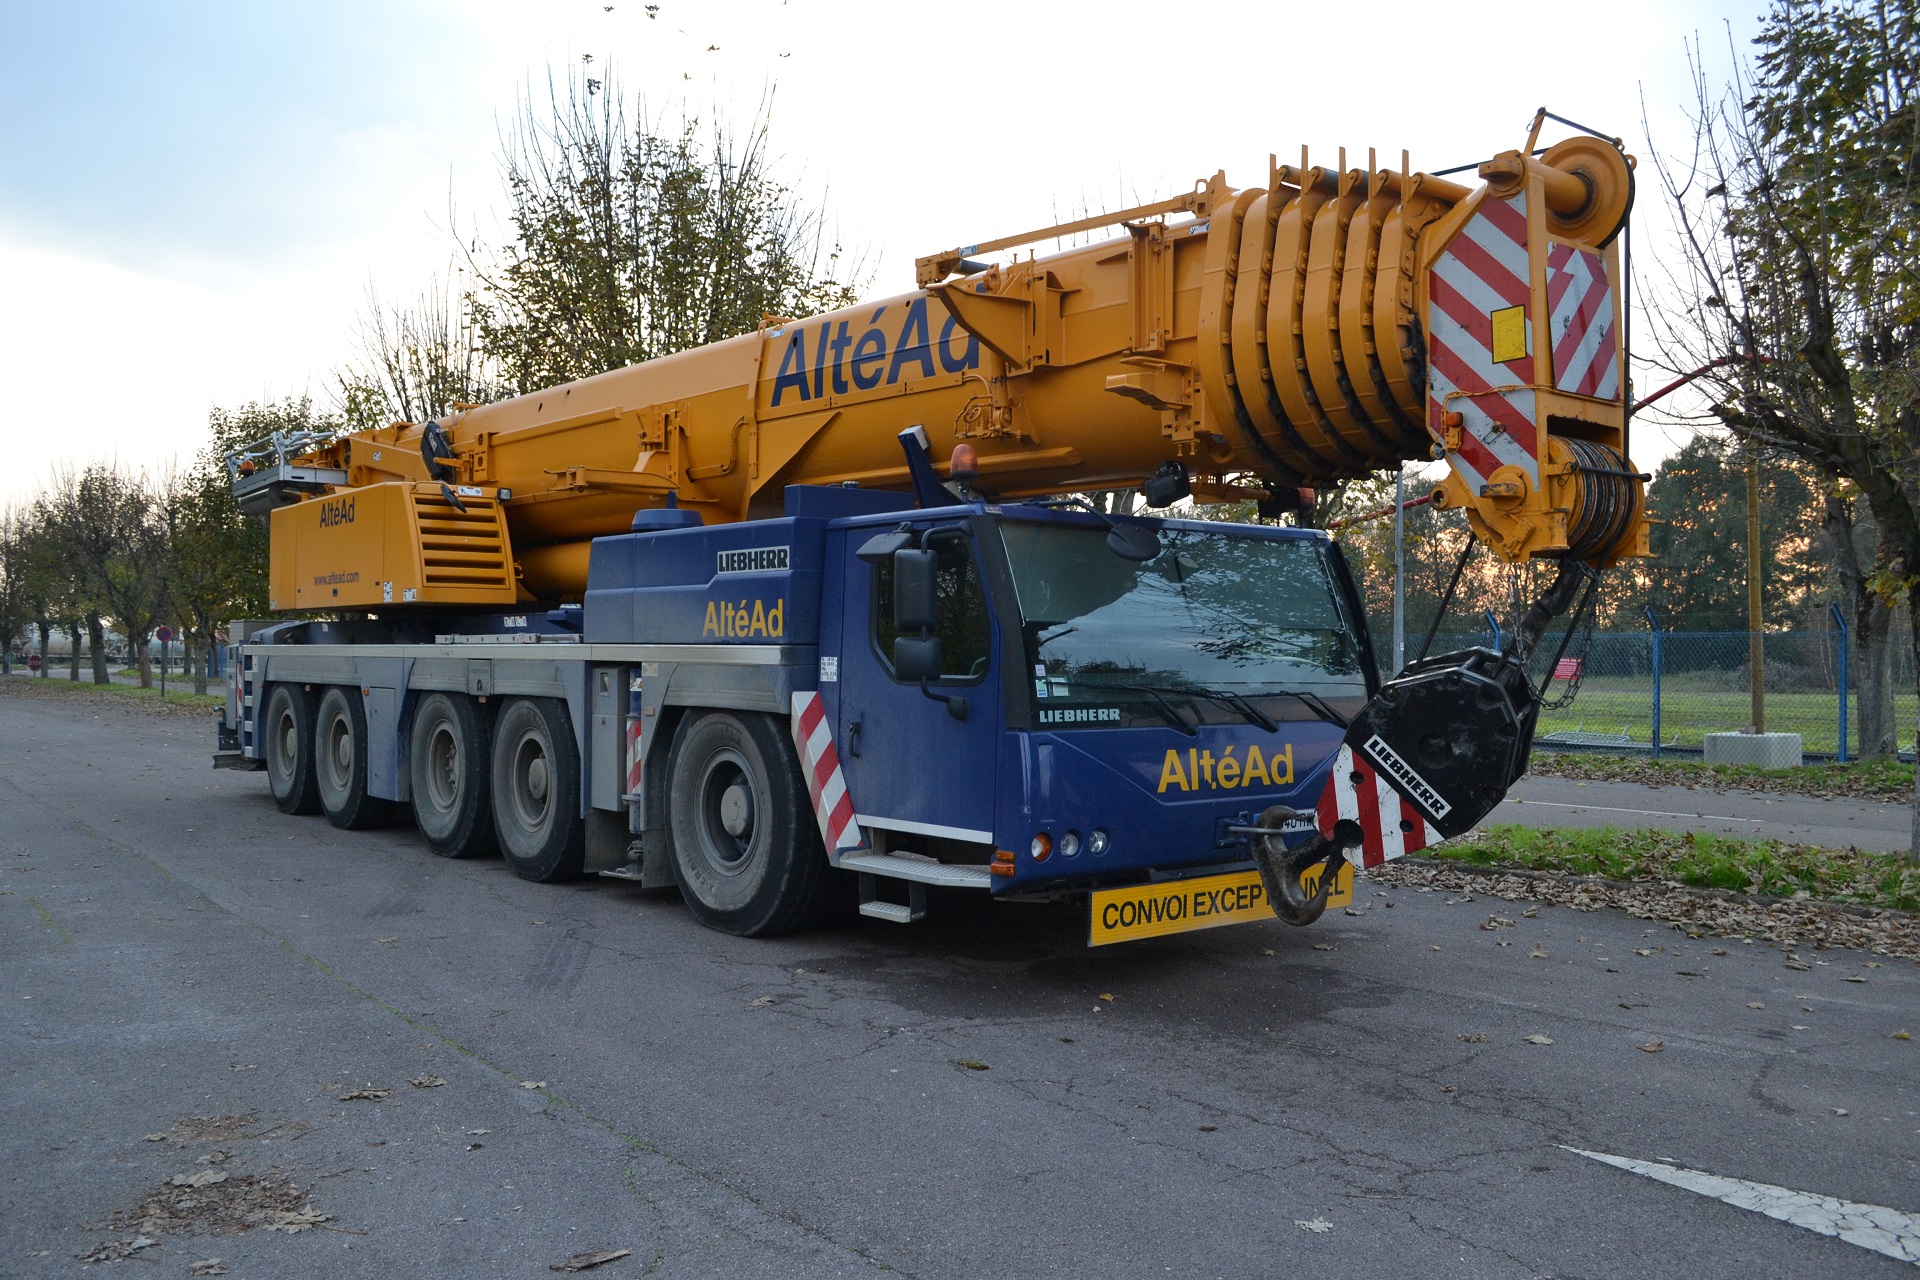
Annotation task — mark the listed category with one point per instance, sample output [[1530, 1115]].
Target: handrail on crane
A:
[[1202, 200]]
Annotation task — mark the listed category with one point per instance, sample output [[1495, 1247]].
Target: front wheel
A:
[[536, 791], [746, 850]]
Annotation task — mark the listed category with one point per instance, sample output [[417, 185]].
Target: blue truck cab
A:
[[1092, 723]]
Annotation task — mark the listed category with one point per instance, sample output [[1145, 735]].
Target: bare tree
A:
[[631, 241], [1799, 283], [417, 360]]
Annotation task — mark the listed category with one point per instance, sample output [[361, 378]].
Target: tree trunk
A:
[[97, 641], [1913, 839], [190, 642], [45, 627], [143, 655], [1873, 628]]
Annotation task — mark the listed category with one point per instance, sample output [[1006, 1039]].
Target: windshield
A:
[[1215, 628]]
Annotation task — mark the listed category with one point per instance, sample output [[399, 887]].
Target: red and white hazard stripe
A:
[[820, 762], [1483, 270], [635, 759], [1580, 303], [1389, 827]]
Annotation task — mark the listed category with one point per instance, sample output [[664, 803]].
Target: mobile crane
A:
[[818, 609]]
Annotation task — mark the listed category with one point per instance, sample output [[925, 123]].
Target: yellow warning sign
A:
[[1509, 334], [1179, 906]]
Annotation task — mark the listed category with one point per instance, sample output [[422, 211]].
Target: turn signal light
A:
[[1002, 864], [1042, 847]]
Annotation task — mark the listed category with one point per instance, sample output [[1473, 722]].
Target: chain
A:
[[1571, 688]]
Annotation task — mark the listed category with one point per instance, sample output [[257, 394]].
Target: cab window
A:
[[962, 599]]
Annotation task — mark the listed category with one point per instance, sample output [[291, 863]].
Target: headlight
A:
[[1069, 844], [1097, 842]]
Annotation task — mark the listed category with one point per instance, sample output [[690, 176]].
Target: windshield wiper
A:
[[1043, 641], [1241, 703], [1160, 704], [1319, 707]]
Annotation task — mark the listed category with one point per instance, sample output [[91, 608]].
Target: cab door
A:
[[912, 765]]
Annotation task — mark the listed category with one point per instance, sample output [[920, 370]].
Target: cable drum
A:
[[1607, 497]]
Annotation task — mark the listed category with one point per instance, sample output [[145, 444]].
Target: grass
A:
[[1687, 715], [1887, 781], [1699, 860], [180, 696]]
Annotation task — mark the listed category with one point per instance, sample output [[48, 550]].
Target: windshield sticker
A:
[[1080, 715], [1199, 771]]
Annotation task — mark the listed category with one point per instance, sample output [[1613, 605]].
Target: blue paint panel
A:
[[751, 582], [1077, 781]]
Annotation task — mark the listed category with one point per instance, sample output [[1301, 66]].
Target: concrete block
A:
[[1767, 750]]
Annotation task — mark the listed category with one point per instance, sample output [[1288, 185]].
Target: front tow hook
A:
[[1281, 868]]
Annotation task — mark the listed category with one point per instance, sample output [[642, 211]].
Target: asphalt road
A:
[[172, 948], [1834, 824]]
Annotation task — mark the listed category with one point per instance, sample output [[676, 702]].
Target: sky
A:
[[197, 198]]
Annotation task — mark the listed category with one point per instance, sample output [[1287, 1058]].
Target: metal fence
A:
[[1659, 692]]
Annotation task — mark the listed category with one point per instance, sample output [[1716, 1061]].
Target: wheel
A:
[[449, 766], [746, 851], [536, 791], [288, 744], [340, 762]]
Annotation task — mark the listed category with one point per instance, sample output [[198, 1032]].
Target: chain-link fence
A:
[[1659, 691]]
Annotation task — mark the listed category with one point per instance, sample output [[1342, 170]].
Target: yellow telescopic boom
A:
[[1327, 324]]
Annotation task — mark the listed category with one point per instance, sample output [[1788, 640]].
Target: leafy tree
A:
[[1801, 268], [15, 612], [631, 241], [75, 546]]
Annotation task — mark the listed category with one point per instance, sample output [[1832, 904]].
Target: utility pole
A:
[[1400, 571], [1756, 647]]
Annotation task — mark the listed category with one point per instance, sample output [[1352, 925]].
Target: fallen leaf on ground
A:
[[1840, 1111], [582, 1261], [388, 941], [1475, 1037], [1634, 1004], [1319, 1226], [427, 1082], [760, 1002], [204, 1178], [475, 1146], [1449, 1088], [1800, 966], [971, 1065], [1755, 1004], [207, 1267], [294, 1220], [533, 1084], [1642, 951], [1538, 953], [155, 1137], [1107, 996], [1538, 1039], [365, 1095], [1433, 948], [1687, 973], [1853, 978], [1654, 1046], [1209, 1128], [476, 1133], [1530, 912], [1269, 951], [1318, 946], [1902, 1035]]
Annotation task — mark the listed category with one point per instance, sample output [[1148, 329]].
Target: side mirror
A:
[[916, 657], [881, 546], [915, 605]]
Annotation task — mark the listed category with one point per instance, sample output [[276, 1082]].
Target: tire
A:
[[449, 763], [287, 742], [746, 851], [340, 762], [536, 791]]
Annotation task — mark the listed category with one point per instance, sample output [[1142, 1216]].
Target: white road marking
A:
[[1871, 1226], [1645, 813]]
